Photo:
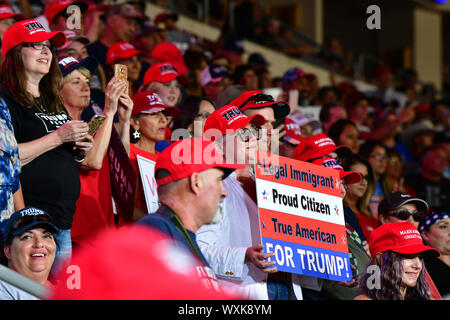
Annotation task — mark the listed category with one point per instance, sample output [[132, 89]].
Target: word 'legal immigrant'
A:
[[298, 175]]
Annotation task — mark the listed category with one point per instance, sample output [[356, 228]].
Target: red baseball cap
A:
[[255, 99], [149, 102], [6, 12], [58, 6], [319, 146], [168, 52], [293, 133], [399, 237], [135, 263], [163, 72], [349, 176], [185, 157], [229, 119], [29, 31], [121, 50]]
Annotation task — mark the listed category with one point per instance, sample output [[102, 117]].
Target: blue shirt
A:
[[159, 221], [9, 164]]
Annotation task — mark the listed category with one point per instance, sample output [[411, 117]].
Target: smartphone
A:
[[120, 72], [95, 123]]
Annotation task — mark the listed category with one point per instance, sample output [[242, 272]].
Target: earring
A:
[[136, 134]]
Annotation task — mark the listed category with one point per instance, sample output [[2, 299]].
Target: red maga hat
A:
[[29, 31], [318, 146], [229, 119], [185, 157], [168, 52], [163, 72], [293, 133], [349, 176], [149, 102], [6, 12], [399, 237], [121, 50], [255, 99]]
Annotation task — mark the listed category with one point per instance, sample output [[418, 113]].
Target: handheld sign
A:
[[123, 177], [147, 170], [301, 217]]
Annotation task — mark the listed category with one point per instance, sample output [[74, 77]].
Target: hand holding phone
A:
[[95, 123], [120, 72]]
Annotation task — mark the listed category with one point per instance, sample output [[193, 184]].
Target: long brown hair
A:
[[14, 78], [390, 269]]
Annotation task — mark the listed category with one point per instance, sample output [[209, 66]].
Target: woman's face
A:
[[169, 92], [37, 61], [32, 253], [76, 49], [378, 160], [350, 137], [438, 236], [134, 67], [151, 126], [394, 167], [412, 265], [358, 189], [204, 111], [75, 91]]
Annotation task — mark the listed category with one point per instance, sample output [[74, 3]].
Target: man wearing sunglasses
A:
[[233, 247], [255, 102]]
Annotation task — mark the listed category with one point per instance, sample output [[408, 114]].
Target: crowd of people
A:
[[57, 204]]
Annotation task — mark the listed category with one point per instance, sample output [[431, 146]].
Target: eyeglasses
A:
[[366, 178], [245, 133], [38, 45], [344, 184], [405, 214], [205, 115], [258, 98]]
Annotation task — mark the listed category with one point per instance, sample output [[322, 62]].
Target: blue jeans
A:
[[279, 290], [64, 250]]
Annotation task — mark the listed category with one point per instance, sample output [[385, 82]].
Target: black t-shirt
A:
[[440, 273], [434, 193], [98, 50], [51, 181]]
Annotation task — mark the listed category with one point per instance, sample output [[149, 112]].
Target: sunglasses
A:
[[405, 214], [27, 220], [258, 98]]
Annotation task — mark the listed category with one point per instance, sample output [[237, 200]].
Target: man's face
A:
[[237, 149], [264, 144], [435, 162], [212, 194], [123, 27]]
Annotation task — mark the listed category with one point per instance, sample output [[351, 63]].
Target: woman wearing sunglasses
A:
[[28, 248], [401, 207]]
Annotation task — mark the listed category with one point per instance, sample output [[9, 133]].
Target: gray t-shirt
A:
[[10, 292]]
